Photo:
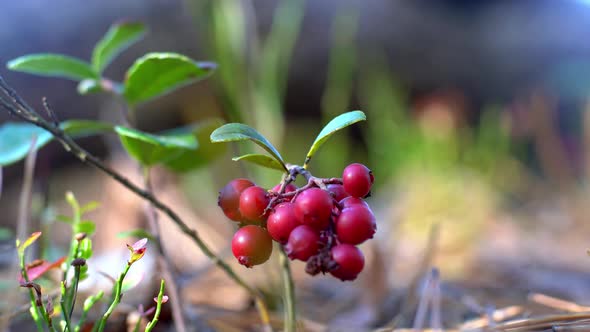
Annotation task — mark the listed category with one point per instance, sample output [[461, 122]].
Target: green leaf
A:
[[90, 206], [89, 86], [16, 137], [86, 248], [262, 160], [240, 132], [155, 74], [55, 65], [85, 226], [116, 40], [190, 160], [151, 149], [338, 123], [139, 233]]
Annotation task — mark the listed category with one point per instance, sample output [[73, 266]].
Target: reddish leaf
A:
[[37, 268]]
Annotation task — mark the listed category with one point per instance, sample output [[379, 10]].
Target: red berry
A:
[[352, 201], [355, 225], [357, 180], [337, 191], [289, 188], [281, 221], [229, 198], [313, 207], [253, 202], [251, 245], [304, 242], [350, 261]]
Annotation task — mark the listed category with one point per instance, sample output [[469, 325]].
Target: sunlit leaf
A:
[[30, 240], [119, 37], [89, 86], [207, 152], [261, 160], [86, 248], [240, 132], [55, 65], [151, 149], [155, 74], [338, 123]]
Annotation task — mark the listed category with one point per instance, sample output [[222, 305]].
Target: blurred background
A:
[[477, 132]]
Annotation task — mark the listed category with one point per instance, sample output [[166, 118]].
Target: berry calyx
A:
[[281, 221], [337, 191], [355, 225], [229, 198], [350, 261], [304, 242], [251, 245], [253, 203], [313, 207], [357, 180]]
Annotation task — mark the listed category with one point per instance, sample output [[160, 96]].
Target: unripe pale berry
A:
[[281, 221], [304, 242], [357, 180], [253, 202], [229, 198], [251, 245], [355, 225], [350, 261], [313, 207]]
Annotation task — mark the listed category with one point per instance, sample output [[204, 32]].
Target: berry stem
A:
[[290, 312]]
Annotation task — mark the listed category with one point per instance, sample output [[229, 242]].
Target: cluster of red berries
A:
[[320, 223]]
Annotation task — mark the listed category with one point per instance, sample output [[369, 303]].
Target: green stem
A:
[[88, 304], [63, 306], [154, 320], [290, 311], [34, 308], [116, 299]]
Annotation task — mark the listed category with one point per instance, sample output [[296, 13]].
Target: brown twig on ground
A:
[[556, 303], [19, 108]]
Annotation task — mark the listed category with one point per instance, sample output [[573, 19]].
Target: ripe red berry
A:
[[350, 261], [357, 180], [251, 245], [337, 191], [313, 207], [355, 225], [352, 201], [253, 202], [281, 221], [304, 242], [289, 188], [229, 198]]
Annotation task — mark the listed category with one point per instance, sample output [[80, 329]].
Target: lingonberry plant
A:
[[320, 223]]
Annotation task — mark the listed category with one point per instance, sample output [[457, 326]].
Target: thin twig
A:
[[20, 109]]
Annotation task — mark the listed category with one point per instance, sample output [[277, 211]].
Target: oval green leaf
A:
[[339, 122], [89, 86], [190, 160], [85, 226], [240, 132], [119, 37], [155, 74], [151, 149], [16, 137], [261, 160], [54, 65]]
